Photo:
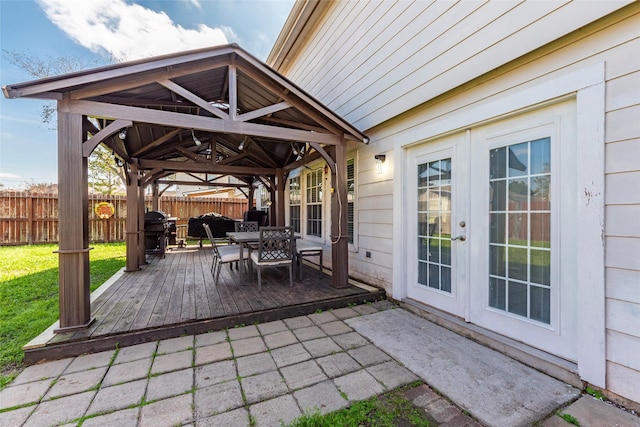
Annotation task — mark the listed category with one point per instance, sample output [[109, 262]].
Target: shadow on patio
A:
[[175, 295]]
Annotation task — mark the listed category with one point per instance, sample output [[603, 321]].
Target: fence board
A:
[[27, 218]]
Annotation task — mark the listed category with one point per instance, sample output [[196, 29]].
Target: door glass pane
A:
[[520, 229], [434, 224]]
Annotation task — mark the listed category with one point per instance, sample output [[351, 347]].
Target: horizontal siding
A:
[[623, 221], [623, 156], [366, 57], [623, 317], [623, 284], [623, 349], [623, 381]]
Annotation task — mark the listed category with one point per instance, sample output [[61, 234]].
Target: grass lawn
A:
[[29, 294]]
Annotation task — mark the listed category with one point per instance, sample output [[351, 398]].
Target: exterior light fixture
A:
[[241, 146], [195, 139], [122, 134], [380, 158]]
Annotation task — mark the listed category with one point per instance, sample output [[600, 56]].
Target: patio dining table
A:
[[244, 238]]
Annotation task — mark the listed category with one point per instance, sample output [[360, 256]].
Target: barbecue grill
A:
[[156, 232]]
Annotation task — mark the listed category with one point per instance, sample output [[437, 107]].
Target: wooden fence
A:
[[27, 218]]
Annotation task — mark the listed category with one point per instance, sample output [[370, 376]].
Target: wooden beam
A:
[[203, 183], [233, 91], [308, 158], [191, 155], [113, 127], [260, 112], [157, 142], [203, 168], [189, 121], [325, 156], [280, 202], [173, 87], [131, 235]]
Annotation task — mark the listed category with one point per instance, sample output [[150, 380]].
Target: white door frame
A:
[[587, 86]]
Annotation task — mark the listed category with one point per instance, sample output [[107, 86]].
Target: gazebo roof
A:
[[217, 110]]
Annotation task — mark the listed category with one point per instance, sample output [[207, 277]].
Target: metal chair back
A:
[[275, 244], [247, 226]]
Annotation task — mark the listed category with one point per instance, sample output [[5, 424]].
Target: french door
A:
[[490, 222], [436, 228]]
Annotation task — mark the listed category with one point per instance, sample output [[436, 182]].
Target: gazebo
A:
[[218, 111]]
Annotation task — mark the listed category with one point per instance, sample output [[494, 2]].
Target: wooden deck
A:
[[175, 295]]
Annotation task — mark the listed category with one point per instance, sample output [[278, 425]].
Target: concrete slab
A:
[[290, 354], [591, 412], [118, 397], [129, 371], [345, 313], [23, 394], [136, 352], [309, 333], [236, 418], [350, 340], [127, 417], [359, 385], [76, 383], [42, 371], [168, 412], [263, 386], [279, 339], [60, 411], [323, 317], [16, 417], [248, 346], [255, 364], [368, 355], [275, 412], [172, 362], [323, 397], [173, 345], [170, 384], [210, 338], [243, 332], [495, 389], [213, 353], [218, 398], [365, 309], [392, 375], [90, 361], [272, 327], [215, 373], [335, 328], [298, 322], [338, 364], [321, 347], [303, 374]]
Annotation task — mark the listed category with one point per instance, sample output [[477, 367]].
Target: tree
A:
[[104, 175]]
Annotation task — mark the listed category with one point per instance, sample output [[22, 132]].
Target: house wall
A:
[[394, 69]]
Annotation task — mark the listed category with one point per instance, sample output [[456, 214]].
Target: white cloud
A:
[[4, 175], [127, 31]]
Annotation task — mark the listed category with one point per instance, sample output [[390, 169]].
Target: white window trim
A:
[[588, 87]]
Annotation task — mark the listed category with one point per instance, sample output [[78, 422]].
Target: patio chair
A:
[[221, 255], [307, 249], [274, 250]]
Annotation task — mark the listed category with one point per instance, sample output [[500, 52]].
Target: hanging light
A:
[[122, 134], [241, 146], [195, 139]]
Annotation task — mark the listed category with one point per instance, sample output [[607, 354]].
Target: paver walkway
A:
[[256, 375]]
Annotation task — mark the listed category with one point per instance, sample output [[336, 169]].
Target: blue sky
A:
[[95, 30]]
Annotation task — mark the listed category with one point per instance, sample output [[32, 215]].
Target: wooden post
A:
[[279, 202], [132, 219], [142, 255], [155, 197], [339, 233], [73, 209], [252, 195]]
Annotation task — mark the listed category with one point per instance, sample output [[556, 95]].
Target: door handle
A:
[[461, 237]]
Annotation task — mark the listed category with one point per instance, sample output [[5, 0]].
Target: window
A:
[[314, 203], [520, 229], [351, 197], [294, 203]]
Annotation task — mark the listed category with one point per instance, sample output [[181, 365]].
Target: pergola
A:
[[218, 111]]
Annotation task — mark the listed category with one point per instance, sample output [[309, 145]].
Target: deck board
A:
[[176, 294]]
